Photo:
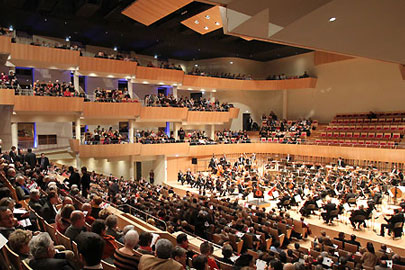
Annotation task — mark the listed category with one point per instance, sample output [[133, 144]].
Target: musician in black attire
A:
[[354, 217], [283, 199], [329, 207], [305, 211], [397, 217]]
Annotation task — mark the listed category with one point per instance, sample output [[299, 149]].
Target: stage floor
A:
[[317, 224]]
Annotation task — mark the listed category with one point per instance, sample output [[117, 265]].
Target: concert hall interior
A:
[[202, 134]]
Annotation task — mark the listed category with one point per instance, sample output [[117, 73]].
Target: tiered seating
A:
[[383, 130]]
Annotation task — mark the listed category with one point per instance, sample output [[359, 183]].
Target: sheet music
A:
[[260, 264]]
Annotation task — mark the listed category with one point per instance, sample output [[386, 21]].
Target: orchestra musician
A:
[[397, 217], [329, 207], [354, 217]]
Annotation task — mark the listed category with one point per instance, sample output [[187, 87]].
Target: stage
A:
[[317, 224]]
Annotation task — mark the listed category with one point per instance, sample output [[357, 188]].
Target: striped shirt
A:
[[125, 262]]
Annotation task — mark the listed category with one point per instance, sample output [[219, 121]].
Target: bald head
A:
[[67, 200], [77, 219], [20, 180]]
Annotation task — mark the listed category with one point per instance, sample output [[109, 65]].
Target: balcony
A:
[[25, 55], [5, 45], [158, 75], [165, 114], [48, 105], [7, 97], [106, 67], [201, 82], [106, 110], [195, 117]]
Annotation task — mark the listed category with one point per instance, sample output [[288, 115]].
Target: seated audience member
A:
[[126, 229], [369, 258], [77, 225], [18, 242], [7, 221], [180, 255], [341, 237], [382, 265], [245, 260], [21, 190], [86, 208], [353, 240], [182, 241], [110, 246], [207, 249], [111, 224], [95, 206], [64, 222], [43, 253], [48, 210], [125, 258], [35, 200], [66, 200], [145, 240], [227, 252], [200, 263], [163, 260], [90, 246]]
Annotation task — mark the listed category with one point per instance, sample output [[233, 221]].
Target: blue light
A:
[[35, 135], [167, 130]]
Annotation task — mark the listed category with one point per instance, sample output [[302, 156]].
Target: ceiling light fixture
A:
[[332, 19], [231, 63], [207, 17], [196, 65], [217, 23], [206, 28], [145, 82], [115, 48], [196, 22]]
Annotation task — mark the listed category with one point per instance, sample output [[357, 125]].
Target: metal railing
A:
[[140, 214]]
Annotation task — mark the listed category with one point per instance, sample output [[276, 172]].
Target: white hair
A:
[[39, 245], [131, 238], [127, 228]]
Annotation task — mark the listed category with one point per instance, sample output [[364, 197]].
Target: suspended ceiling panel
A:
[[206, 21]]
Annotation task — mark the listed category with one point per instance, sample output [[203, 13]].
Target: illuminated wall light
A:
[[332, 19], [207, 17], [206, 28], [110, 76], [155, 56], [189, 88], [67, 39], [115, 48], [93, 74], [161, 83], [196, 22], [145, 82], [202, 92], [11, 28], [217, 23], [213, 90], [231, 63], [196, 65]]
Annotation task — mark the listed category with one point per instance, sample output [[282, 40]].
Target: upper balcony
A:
[[106, 67], [201, 82], [158, 75], [154, 114], [48, 105], [7, 97], [196, 117], [5, 45], [106, 110], [25, 55]]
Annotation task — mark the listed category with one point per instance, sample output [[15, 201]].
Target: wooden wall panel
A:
[[104, 110], [169, 149], [74, 145], [110, 150], [234, 112], [48, 104], [5, 44], [106, 66], [150, 11], [6, 97], [325, 57], [208, 117], [159, 74], [191, 81], [163, 113], [402, 70], [37, 56]]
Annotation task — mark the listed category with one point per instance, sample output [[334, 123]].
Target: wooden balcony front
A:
[[6, 97], [158, 75], [106, 110], [25, 55], [194, 117], [5, 45], [201, 82], [48, 105], [166, 114], [109, 150], [106, 67]]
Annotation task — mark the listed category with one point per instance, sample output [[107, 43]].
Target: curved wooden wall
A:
[[5, 45], [105, 110], [163, 114], [152, 74], [7, 97], [38, 104], [98, 66]]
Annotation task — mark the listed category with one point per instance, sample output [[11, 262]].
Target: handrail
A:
[[139, 211]]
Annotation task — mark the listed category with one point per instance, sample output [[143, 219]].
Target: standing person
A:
[[31, 158], [74, 178], [43, 162], [85, 181], [152, 176], [13, 154]]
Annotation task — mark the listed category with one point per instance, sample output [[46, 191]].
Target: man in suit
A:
[[85, 181], [49, 211], [74, 178], [43, 252], [162, 261], [356, 213], [31, 158], [43, 162], [20, 188], [329, 207], [397, 217], [90, 246]]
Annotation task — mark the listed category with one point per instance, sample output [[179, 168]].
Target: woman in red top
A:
[[98, 227]]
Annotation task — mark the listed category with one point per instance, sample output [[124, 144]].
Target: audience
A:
[[90, 247], [113, 95], [126, 258], [102, 136], [163, 259], [196, 71]]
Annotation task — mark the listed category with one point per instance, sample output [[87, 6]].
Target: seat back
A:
[[25, 266], [63, 240], [12, 258], [108, 266], [351, 248]]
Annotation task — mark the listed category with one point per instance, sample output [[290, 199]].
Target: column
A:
[[212, 132], [160, 170], [131, 168], [285, 104], [76, 81], [77, 129], [78, 164], [131, 131], [176, 127], [14, 134], [174, 91], [130, 88]]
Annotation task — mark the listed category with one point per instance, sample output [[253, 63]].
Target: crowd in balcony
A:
[[115, 56], [201, 104], [112, 95], [55, 89], [104, 136], [9, 81], [166, 65], [152, 137], [285, 77], [198, 72], [288, 132], [228, 136]]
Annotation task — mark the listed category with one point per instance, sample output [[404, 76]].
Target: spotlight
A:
[[332, 19], [115, 48]]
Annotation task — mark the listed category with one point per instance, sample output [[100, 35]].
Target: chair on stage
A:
[[352, 201], [333, 214], [397, 230], [359, 219]]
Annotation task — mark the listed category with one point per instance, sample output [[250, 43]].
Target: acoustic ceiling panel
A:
[[206, 21]]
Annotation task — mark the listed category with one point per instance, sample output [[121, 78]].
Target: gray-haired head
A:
[[164, 249], [40, 245], [131, 238], [127, 228]]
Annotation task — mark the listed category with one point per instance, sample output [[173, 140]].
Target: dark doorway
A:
[[246, 121], [138, 170], [196, 96]]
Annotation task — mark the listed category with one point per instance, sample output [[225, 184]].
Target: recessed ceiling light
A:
[[217, 23], [155, 56], [207, 17], [145, 82], [161, 83], [196, 22], [332, 19], [115, 48], [231, 63], [189, 88], [206, 28], [213, 90], [196, 65]]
